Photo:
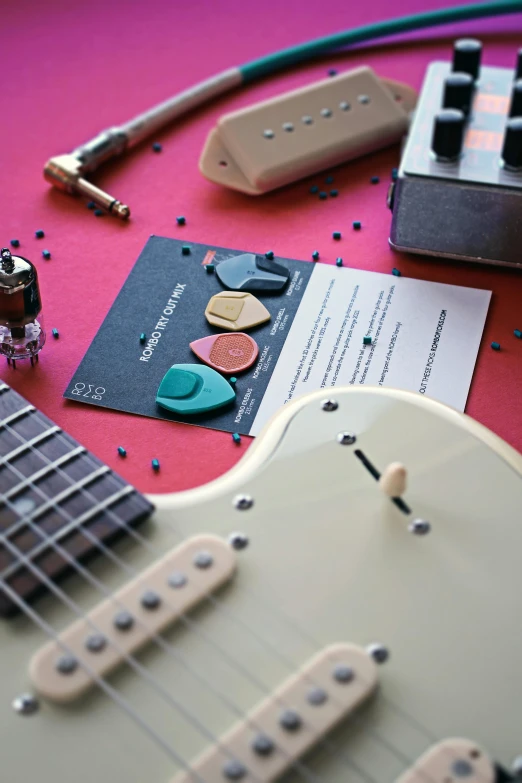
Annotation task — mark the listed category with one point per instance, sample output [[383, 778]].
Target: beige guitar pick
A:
[[236, 311]]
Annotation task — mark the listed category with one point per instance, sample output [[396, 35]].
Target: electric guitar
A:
[[344, 605]]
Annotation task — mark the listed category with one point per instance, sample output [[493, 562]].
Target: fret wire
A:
[[17, 415], [44, 471], [71, 527], [57, 499], [28, 444]]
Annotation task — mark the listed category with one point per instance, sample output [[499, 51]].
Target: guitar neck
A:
[[54, 495]]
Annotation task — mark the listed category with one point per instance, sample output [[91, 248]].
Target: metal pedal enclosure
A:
[[466, 206]]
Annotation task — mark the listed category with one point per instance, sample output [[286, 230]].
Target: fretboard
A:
[[55, 498]]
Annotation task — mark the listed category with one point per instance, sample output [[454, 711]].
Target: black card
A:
[[165, 297]]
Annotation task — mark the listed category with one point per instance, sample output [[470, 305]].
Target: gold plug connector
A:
[[65, 173]]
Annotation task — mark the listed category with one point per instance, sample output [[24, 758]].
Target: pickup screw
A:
[[96, 642], [346, 438], [462, 768], [203, 559], [67, 664], [378, 652], [243, 502], [26, 704], [262, 745], [234, 770], [329, 405], [290, 720]]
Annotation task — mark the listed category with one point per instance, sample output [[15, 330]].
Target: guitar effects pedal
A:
[[458, 193]]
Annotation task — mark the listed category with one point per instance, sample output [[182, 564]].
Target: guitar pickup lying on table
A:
[[286, 725], [102, 640]]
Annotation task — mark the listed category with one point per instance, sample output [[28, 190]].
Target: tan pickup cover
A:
[[341, 698], [174, 602]]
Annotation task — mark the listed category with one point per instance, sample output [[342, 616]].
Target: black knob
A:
[[515, 109], [448, 134], [458, 92], [512, 149], [518, 69], [466, 56]]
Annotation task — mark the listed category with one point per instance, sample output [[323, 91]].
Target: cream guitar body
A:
[[312, 564]]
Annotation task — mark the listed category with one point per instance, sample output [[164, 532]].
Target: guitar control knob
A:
[[466, 56], [458, 92], [512, 149], [518, 69], [515, 109], [448, 134]]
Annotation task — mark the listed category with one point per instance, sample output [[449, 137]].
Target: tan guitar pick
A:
[[236, 311]]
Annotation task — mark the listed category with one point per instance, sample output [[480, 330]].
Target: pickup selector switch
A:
[[467, 53], [512, 149], [448, 134], [515, 108], [458, 92]]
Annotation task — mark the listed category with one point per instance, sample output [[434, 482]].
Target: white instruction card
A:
[[424, 337], [325, 326]]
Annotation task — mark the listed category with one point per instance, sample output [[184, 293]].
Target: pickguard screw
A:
[[238, 541], [346, 438], [243, 502], [378, 652], [26, 704], [329, 405], [419, 527]]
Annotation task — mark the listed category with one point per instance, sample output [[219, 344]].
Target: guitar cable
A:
[[66, 172]]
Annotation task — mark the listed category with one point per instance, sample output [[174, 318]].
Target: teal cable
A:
[[256, 69]]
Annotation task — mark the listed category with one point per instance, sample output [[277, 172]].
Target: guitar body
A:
[[330, 558]]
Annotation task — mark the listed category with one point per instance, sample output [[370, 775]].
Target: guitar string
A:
[[395, 751], [297, 765], [108, 689], [234, 663]]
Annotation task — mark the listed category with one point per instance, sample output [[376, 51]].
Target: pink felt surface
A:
[[71, 69]]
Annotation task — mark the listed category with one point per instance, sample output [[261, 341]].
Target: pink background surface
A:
[[70, 69]]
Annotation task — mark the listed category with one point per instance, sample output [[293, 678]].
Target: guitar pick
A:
[[236, 311], [249, 272], [230, 353], [193, 388]]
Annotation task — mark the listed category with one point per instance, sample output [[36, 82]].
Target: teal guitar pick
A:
[[193, 388]]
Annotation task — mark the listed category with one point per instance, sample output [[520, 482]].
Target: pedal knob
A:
[[448, 134], [458, 92], [512, 149], [466, 56], [515, 109]]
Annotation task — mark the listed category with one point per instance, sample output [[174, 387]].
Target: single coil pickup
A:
[[372, 470], [450, 761], [285, 726], [123, 623]]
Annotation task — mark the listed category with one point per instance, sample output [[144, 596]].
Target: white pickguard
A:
[[330, 559]]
